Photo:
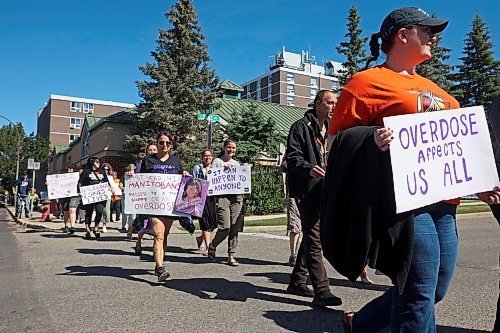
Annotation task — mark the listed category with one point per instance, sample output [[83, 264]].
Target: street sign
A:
[[36, 166], [201, 116], [31, 161], [214, 117]]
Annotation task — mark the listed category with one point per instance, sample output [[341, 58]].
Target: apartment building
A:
[[61, 119], [293, 79]]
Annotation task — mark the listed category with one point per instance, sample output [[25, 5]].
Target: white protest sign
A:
[[152, 194], [440, 155], [95, 193], [233, 180], [62, 185]]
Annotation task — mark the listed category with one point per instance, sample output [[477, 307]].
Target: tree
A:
[[32, 146], [435, 69], [352, 49], [253, 133], [478, 76], [181, 85]]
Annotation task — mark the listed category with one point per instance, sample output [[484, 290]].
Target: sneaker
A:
[[71, 231], [326, 298], [300, 289], [122, 229], [96, 232], [65, 230], [292, 260], [162, 273], [104, 229], [87, 235]]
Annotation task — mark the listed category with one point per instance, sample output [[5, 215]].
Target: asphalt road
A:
[[52, 282]]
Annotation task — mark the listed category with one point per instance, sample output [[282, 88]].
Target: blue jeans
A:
[[431, 271], [26, 201]]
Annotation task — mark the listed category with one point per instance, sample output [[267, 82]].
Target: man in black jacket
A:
[[306, 160]]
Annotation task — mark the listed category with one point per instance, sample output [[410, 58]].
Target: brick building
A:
[[293, 79]]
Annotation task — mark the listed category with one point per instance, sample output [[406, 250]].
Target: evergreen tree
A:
[[181, 85], [435, 69], [478, 75], [352, 49], [253, 134]]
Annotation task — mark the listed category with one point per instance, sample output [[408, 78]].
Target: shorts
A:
[[293, 223], [72, 202]]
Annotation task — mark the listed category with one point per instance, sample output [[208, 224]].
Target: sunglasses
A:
[[97, 162], [165, 143]]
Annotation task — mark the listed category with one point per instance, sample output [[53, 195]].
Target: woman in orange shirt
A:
[[394, 88]]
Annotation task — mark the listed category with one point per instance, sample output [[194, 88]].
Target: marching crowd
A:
[[335, 155]]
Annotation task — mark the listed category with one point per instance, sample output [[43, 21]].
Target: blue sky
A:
[[93, 48]]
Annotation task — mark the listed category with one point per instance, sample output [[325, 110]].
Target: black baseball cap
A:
[[410, 16]]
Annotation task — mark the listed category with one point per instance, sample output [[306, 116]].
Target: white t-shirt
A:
[[219, 163]]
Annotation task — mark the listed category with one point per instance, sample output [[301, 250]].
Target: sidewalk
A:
[[114, 227]]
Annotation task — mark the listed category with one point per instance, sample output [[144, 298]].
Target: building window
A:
[[85, 142], [75, 123], [269, 87], [290, 89], [290, 78], [314, 82], [335, 85], [258, 90], [290, 100], [73, 137], [76, 107], [88, 108], [314, 92]]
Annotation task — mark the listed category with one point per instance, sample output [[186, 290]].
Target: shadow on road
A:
[[238, 291], [310, 320], [118, 272]]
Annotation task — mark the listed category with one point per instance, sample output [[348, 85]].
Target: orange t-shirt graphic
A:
[[379, 92]]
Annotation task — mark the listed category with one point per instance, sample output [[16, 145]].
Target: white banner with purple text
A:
[[440, 155]]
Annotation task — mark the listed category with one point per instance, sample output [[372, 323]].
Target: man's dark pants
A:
[[310, 256]]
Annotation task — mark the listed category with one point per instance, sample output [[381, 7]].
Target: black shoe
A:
[[65, 230], [71, 231], [87, 235], [300, 289], [27, 216], [326, 298]]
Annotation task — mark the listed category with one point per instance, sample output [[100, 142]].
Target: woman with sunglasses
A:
[[70, 205], [393, 88], [94, 174], [162, 162]]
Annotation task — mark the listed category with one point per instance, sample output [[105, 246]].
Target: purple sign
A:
[[191, 197]]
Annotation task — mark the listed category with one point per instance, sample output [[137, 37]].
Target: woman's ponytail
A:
[[374, 49]]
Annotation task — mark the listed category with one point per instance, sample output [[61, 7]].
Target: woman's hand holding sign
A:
[[490, 197], [383, 137]]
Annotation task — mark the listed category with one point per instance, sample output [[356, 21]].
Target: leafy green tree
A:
[[353, 48], [181, 85], [253, 133], [31, 146], [435, 69], [477, 78]]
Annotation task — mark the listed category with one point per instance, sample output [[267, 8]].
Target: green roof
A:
[[60, 148], [230, 85], [92, 120], [284, 115]]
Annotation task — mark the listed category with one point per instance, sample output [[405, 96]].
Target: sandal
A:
[[211, 252], [346, 323], [231, 261]]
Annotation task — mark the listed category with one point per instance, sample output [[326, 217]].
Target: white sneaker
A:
[[104, 229]]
